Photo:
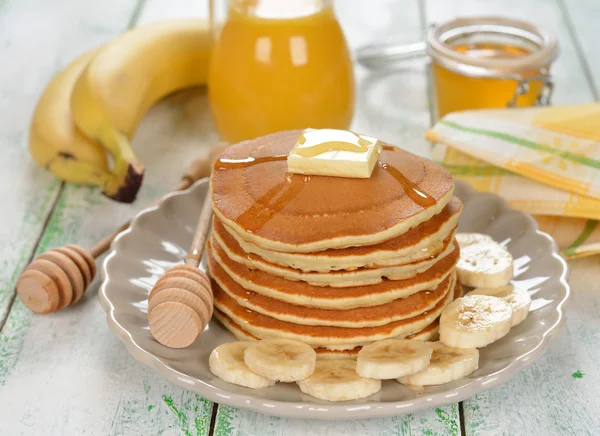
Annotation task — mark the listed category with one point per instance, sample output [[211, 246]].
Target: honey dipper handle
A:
[[198, 169], [195, 252], [100, 247]]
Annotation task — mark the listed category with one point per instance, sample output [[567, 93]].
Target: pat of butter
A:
[[337, 153]]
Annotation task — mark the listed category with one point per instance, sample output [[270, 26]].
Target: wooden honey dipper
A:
[[60, 276], [180, 304]]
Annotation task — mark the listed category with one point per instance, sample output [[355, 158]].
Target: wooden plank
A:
[[434, 422], [67, 372], [582, 18], [392, 106], [558, 394]]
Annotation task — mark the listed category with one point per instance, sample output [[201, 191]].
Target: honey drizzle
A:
[[361, 146], [226, 164], [415, 193], [272, 202]]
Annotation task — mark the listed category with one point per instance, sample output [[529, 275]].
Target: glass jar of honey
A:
[[490, 62]]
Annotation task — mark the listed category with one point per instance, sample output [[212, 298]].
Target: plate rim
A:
[[330, 411]]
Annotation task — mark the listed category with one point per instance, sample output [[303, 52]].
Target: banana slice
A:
[[281, 359], [227, 362], [447, 364], [475, 321], [337, 380], [483, 263], [466, 239], [392, 358], [518, 299]]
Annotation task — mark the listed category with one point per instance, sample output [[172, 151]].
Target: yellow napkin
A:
[[544, 161]]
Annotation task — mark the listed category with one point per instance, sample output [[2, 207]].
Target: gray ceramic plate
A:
[[159, 237]]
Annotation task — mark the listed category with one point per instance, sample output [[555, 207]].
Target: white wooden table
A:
[[66, 373]]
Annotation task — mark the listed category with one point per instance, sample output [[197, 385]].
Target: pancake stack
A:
[[334, 262]]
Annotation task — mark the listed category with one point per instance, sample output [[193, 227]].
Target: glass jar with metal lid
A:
[[484, 62], [480, 62]]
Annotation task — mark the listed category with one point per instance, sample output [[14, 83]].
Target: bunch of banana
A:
[[94, 105]]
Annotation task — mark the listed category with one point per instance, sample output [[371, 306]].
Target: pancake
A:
[[395, 310], [322, 353], [429, 333], [263, 326], [235, 329], [302, 293], [336, 279], [242, 335], [277, 211], [421, 242]]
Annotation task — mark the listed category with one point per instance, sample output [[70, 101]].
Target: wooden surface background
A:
[[66, 373]]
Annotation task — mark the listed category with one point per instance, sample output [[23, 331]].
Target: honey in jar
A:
[[490, 62]]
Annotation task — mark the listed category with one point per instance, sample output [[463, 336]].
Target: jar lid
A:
[[541, 45]]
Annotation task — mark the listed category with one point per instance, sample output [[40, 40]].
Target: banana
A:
[[128, 76], [475, 321], [518, 299], [483, 262], [227, 362], [337, 380], [54, 142], [392, 358], [447, 364], [281, 359]]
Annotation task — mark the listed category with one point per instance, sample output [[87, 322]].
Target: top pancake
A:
[[278, 211]]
